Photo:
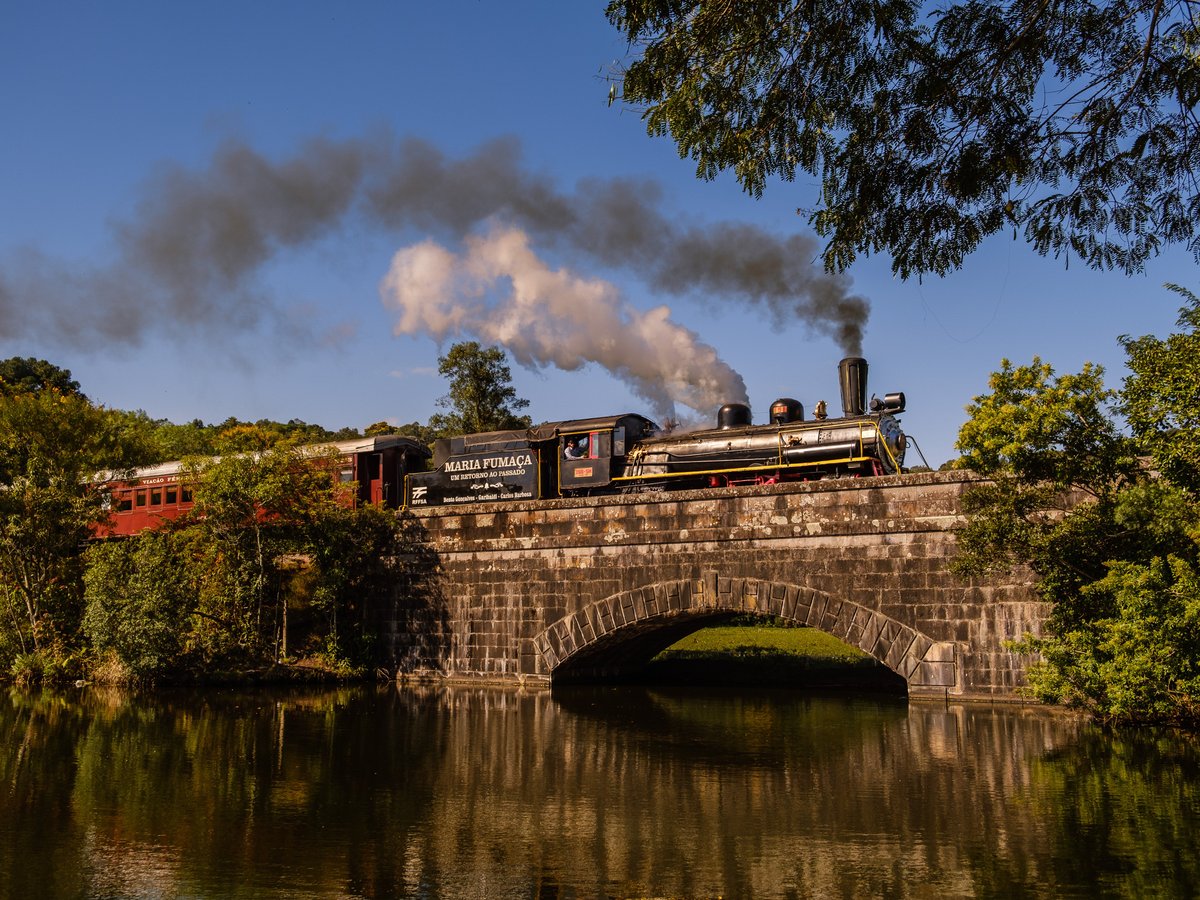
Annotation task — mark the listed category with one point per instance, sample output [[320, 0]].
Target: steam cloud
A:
[[186, 261], [501, 291]]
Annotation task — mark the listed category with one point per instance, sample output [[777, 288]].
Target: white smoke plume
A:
[[186, 260], [498, 290]]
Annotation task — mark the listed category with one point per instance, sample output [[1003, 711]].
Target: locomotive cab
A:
[[592, 452]]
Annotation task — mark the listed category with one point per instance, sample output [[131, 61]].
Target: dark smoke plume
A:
[[620, 223], [186, 260]]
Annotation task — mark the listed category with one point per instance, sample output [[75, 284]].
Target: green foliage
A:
[[354, 557], [930, 129], [52, 444], [1161, 398], [140, 597], [269, 533], [50, 664], [1044, 441], [210, 591], [252, 511], [1139, 663], [1114, 547], [24, 375], [283, 487], [481, 396], [165, 440], [1044, 429], [377, 429]]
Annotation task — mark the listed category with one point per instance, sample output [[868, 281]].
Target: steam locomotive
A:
[[629, 453], [611, 454]]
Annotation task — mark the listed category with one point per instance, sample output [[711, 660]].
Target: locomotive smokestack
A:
[[852, 377]]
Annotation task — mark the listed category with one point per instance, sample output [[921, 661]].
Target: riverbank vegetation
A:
[[1106, 517], [272, 572], [271, 567]]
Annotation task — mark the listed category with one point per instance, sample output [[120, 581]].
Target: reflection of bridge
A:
[[573, 589]]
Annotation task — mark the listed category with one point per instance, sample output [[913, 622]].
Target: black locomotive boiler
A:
[[866, 440], [629, 453]]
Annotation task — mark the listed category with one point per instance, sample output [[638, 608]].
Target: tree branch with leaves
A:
[[927, 129]]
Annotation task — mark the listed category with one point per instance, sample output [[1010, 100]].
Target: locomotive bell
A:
[[785, 410], [852, 378]]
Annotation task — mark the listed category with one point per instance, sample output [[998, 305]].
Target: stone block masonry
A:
[[573, 589]]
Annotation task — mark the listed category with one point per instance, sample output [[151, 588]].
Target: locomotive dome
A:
[[734, 415]]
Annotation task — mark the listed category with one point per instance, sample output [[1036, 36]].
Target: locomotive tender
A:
[[629, 453]]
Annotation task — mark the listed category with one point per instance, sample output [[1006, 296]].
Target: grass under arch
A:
[[808, 643], [774, 652]]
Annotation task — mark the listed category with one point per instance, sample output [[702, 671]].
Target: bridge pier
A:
[[567, 588]]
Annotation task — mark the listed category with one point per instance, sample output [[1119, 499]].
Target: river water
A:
[[616, 792]]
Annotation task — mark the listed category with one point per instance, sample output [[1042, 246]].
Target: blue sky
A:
[[111, 110]]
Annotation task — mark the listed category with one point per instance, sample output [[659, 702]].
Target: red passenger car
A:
[[376, 466]]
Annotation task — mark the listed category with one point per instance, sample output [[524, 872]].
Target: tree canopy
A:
[[1114, 542], [930, 128], [1162, 396], [27, 374], [481, 396], [52, 444]]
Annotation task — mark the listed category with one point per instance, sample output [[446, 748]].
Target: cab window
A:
[[601, 444], [575, 446]]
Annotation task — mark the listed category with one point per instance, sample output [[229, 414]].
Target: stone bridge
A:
[[574, 589]]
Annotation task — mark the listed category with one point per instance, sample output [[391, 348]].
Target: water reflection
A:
[[462, 792]]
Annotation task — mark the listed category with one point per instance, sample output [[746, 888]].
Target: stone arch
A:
[[927, 665]]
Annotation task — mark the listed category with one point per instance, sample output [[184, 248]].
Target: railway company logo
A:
[[418, 494]]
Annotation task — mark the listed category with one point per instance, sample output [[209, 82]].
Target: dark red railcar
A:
[[375, 466]]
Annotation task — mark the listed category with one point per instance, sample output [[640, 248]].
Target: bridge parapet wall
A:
[[540, 590]]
